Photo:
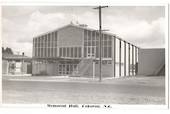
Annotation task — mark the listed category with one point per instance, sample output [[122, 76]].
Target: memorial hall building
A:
[[73, 50]]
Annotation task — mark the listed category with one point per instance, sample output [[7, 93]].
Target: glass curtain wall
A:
[[91, 45], [45, 45]]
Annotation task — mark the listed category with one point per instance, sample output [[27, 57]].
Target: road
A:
[[142, 90]]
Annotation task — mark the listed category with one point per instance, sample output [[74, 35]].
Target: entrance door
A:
[[29, 68], [91, 52]]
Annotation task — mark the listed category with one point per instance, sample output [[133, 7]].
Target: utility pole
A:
[[100, 29]]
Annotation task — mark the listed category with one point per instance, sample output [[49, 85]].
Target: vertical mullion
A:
[[132, 60], [44, 46], [50, 44], [129, 59], [33, 53], [114, 58], [40, 46], [47, 45], [87, 43], [120, 59], [124, 58], [135, 60], [53, 42]]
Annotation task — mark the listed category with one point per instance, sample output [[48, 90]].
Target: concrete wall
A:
[[5, 67], [151, 61], [70, 36], [106, 70], [49, 69]]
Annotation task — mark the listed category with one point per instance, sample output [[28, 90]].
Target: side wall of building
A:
[[151, 61]]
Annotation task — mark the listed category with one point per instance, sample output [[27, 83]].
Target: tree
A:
[[3, 50], [7, 51]]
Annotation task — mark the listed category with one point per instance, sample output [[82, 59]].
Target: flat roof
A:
[[15, 57]]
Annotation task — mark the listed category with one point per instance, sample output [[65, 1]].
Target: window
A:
[[109, 62], [52, 52], [67, 69], [97, 43], [93, 35], [56, 36], [85, 51], [79, 52], [69, 49], [105, 43], [49, 37], [60, 51], [85, 43], [104, 62], [45, 53], [64, 52], [41, 51], [93, 50], [97, 62], [68, 52], [97, 36], [38, 52], [71, 68], [85, 35], [110, 41], [75, 68], [88, 49], [105, 52], [89, 35], [97, 52], [56, 52], [105, 37], [45, 40], [52, 39], [109, 52], [76, 52], [89, 42], [38, 42], [48, 52], [72, 52], [93, 43], [64, 69]]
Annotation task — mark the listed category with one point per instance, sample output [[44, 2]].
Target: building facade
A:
[[73, 50], [16, 65]]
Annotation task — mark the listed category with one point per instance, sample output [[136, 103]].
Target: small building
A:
[[73, 50], [16, 64], [152, 62]]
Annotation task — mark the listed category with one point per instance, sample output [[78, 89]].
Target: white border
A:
[[94, 4]]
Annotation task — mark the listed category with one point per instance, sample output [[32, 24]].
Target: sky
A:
[[143, 26]]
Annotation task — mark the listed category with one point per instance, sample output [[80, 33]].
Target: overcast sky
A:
[[142, 26]]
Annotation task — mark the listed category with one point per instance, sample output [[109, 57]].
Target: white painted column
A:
[[93, 69]]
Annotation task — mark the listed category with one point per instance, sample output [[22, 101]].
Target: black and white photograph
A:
[[85, 55]]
